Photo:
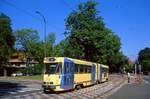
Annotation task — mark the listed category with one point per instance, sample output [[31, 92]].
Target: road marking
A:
[[146, 81]]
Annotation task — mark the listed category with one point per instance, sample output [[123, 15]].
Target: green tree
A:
[[86, 30], [144, 59], [64, 49], [59, 49], [27, 39], [83, 28], [50, 41], [6, 39], [88, 37]]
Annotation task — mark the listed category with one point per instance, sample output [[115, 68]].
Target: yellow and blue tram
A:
[[62, 73]]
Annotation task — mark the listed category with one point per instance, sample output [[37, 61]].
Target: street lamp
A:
[[39, 13]]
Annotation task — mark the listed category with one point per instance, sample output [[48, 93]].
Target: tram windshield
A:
[[53, 68]]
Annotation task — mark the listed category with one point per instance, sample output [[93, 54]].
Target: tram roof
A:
[[77, 61]]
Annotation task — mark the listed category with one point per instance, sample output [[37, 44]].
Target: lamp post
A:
[[39, 13]]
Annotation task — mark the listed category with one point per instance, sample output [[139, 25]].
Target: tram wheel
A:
[[78, 87]]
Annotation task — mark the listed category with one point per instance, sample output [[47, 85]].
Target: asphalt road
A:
[[134, 91], [91, 92], [147, 78], [8, 86]]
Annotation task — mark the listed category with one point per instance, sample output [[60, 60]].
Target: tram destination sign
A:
[[52, 59]]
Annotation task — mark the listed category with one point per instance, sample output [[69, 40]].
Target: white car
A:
[[17, 74]]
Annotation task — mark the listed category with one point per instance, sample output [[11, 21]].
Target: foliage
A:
[[27, 39], [50, 40], [91, 39], [64, 49], [6, 38], [118, 62], [38, 69], [45, 47], [59, 49], [144, 59], [87, 38], [82, 29]]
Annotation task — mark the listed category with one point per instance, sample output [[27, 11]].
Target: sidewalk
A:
[[133, 91]]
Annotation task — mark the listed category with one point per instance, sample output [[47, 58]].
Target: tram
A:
[[63, 73]]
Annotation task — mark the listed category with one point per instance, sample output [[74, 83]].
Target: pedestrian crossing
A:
[[14, 91]]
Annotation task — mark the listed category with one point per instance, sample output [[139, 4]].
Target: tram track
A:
[[99, 91], [112, 90], [96, 90]]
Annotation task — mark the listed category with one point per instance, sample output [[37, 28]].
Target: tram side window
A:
[[78, 68], [89, 69], [85, 69], [105, 70], [81, 69]]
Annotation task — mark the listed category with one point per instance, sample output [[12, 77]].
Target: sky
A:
[[129, 19]]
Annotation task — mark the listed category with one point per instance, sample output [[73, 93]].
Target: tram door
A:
[[93, 73], [67, 74]]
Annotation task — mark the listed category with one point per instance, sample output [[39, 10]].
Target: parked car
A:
[[17, 74]]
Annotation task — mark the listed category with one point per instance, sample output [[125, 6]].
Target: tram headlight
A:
[[44, 82], [50, 82]]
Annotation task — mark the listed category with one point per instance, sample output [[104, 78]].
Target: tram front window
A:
[[53, 68]]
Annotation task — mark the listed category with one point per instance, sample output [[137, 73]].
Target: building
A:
[[18, 60]]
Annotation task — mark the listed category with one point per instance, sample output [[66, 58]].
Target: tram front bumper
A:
[[49, 87]]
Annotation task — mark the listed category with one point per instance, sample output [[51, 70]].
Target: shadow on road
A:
[[7, 87]]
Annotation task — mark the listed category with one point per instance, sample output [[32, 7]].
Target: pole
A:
[[140, 73], [135, 73], [44, 35], [44, 20], [135, 69], [140, 68]]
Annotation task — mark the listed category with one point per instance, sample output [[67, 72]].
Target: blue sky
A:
[[129, 19]]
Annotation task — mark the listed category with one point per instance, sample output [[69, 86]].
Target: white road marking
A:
[[146, 81]]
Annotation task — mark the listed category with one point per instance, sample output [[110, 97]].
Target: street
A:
[[116, 88], [134, 91], [92, 92], [8, 86]]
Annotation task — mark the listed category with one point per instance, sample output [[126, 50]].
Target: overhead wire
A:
[[29, 14]]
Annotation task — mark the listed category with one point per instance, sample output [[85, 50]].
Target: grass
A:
[[34, 77]]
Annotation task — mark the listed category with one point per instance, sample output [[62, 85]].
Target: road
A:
[[147, 78], [9, 86], [134, 91], [96, 91]]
